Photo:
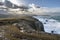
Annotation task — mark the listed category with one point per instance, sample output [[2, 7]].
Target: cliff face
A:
[[24, 28], [30, 22], [24, 24]]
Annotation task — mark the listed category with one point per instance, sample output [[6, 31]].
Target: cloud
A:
[[18, 2], [34, 9]]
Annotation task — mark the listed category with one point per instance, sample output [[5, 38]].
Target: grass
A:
[[44, 36], [13, 33]]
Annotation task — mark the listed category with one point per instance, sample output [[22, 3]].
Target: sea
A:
[[51, 23]]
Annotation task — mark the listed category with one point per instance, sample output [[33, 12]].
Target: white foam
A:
[[50, 25]]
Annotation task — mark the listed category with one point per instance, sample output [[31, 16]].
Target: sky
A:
[[50, 3], [43, 3], [46, 6]]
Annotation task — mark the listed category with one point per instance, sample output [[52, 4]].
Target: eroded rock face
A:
[[30, 23], [27, 22]]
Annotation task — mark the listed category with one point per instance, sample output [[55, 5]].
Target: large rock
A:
[[29, 22]]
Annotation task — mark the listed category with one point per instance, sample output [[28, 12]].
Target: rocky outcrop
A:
[[30, 22], [15, 29]]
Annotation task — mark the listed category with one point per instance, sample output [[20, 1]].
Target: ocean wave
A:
[[50, 24]]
